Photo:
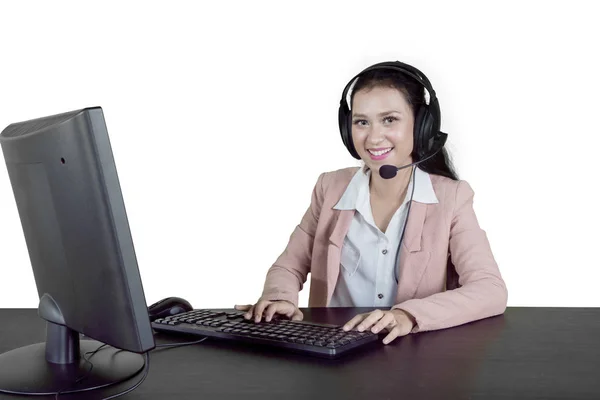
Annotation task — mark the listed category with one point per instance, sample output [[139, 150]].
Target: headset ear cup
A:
[[419, 133], [342, 124], [346, 130], [353, 151]]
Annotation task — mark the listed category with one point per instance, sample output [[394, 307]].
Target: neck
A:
[[392, 189]]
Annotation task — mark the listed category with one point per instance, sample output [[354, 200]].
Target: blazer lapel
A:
[[413, 261], [334, 249], [342, 225], [414, 227]]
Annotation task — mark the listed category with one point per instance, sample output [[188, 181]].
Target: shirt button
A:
[[384, 251], [380, 296]]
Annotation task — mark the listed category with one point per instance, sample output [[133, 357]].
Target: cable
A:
[[81, 378], [146, 369], [396, 273], [182, 344]]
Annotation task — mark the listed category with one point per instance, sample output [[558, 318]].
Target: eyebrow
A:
[[379, 115]]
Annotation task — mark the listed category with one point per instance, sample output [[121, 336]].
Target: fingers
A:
[[268, 309], [372, 318], [354, 321], [259, 309], [402, 328], [275, 308], [249, 313], [394, 333], [290, 310], [297, 315], [387, 321], [283, 307], [249, 308]]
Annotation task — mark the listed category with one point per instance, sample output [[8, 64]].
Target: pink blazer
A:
[[448, 275]]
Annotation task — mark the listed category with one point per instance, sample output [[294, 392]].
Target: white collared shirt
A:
[[368, 257]]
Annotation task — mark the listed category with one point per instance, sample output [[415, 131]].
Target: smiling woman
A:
[[425, 269], [401, 97]]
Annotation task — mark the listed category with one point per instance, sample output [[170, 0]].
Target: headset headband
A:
[[398, 66]]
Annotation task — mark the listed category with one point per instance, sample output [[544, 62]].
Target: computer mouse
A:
[[168, 306]]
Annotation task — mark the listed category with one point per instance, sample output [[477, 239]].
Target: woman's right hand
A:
[[269, 308]]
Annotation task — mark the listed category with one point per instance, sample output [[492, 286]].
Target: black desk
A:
[[528, 353]]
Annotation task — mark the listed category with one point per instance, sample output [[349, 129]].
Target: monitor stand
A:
[[46, 368]]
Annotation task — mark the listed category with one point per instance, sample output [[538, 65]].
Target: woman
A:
[[400, 233]]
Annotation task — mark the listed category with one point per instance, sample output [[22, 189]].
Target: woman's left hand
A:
[[396, 322]]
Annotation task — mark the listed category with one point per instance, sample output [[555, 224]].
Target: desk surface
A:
[[527, 353]]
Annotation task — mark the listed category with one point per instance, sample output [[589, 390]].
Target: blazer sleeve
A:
[[286, 277], [482, 293]]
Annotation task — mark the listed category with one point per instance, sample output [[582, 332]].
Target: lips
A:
[[380, 153]]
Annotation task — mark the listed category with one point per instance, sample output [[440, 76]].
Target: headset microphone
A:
[[390, 171]]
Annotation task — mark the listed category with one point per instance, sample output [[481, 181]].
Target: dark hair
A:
[[414, 93]]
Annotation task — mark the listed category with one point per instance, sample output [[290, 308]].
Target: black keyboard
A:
[[310, 338]]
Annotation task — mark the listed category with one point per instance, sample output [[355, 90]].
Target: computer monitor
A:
[[69, 200]]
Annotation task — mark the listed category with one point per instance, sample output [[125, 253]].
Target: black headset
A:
[[427, 136]]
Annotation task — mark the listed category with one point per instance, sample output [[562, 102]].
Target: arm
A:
[[288, 274], [482, 293]]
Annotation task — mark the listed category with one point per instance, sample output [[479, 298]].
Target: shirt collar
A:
[[358, 189]]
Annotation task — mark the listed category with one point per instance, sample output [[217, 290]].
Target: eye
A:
[[359, 122], [390, 119]]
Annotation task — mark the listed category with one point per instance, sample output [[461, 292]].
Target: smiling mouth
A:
[[379, 152]]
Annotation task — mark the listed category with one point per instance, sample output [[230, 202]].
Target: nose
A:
[[376, 136]]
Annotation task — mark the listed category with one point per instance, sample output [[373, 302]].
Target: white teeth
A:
[[380, 152]]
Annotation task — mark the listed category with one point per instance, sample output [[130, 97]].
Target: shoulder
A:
[[338, 177], [337, 180], [451, 192], [331, 185]]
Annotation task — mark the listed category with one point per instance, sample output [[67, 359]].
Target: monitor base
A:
[[25, 370]]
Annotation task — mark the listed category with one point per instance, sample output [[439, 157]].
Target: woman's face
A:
[[382, 127]]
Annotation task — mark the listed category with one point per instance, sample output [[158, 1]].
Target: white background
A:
[[222, 116]]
